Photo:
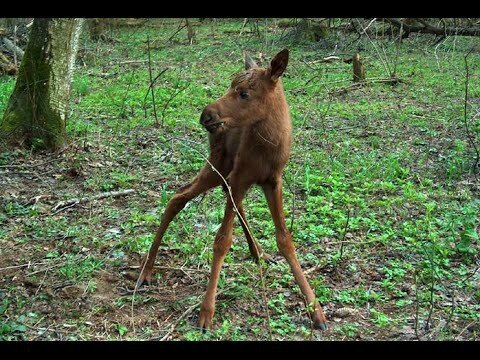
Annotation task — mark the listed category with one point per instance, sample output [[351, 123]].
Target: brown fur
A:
[[250, 138]]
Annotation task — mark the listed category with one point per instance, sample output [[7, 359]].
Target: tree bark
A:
[[358, 69], [37, 110]]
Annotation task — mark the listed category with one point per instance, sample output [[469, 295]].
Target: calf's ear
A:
[[249, 63], [278, 64]]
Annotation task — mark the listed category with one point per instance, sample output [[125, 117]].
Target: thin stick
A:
[[151, 82], [20, 266], [343, 237], [249, 232], [245, 20], [170, 268], [315, 268], [150, 87], [176, 32], [48, 268], [466, 327], [122, 111], [417, 306], [369, 24], [41, 284], [132, 321], [180, 318], [173, 96], [65, 208], [75, 201], [392, 80], [183, 316], [469, 136], [15, 45], [432, 288], [398, 49], [384, 63]]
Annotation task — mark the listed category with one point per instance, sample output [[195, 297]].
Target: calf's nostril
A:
[[205, 118]]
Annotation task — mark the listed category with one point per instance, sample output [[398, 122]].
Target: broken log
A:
[[9, 45], [422, 26]]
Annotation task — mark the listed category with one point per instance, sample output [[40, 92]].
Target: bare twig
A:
[[393, 80], [432, 286], [417, 306], [21, 266], [369, 24], [465, 328], [127, 91], [15, 45], [173, 96], [384, 61], [183, 316], [313, 269], [399, 43], [19, 166], [41, 284], [344, 234], [150, 87], [178, 30], [65, 208], [180, 318], [172, 268], [467, 129], [243, 26], [127, 62], [151, 82], [50, 267], [292, 191], [76, 201], [249, 232]]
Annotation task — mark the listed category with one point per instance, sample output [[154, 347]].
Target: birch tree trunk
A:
[[37, 110]]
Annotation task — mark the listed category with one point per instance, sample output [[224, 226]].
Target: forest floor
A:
[[380, 195]]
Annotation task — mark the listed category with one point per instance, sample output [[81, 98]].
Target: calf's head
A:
[[251, 95]]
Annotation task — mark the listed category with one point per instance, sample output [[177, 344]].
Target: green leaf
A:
[[122, 329], [467, 237], [19, 328]]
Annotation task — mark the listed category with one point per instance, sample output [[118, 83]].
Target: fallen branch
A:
[[9, 45], [128, 62], [393, 81], [426, 28], [172, 268], [72, 202], [21, 266], [313, 269]]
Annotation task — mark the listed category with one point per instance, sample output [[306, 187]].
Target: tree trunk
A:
[[37, 110], [358, 69], [96, 28]]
